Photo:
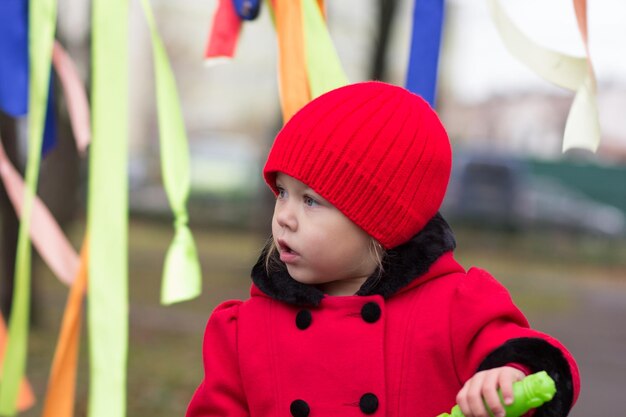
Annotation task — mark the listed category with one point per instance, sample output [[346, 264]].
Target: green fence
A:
[[602, 183]]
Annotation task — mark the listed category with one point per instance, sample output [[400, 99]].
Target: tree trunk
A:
[[8, 219], [386, 11]]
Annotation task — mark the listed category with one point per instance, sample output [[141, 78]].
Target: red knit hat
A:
[[377, 152]]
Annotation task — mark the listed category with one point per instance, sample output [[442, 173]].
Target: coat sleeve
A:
[[488, 331], [220, 393]]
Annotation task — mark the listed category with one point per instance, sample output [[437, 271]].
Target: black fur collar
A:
[[401, 265]]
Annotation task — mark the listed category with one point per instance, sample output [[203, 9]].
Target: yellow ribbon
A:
[[107, 211], [323, 65], [182, 278], [25, 399], [42, 24]]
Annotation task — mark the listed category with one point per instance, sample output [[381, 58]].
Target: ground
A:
[[571, 287]]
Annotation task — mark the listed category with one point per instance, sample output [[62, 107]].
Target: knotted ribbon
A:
[[582, 128], [181, 275]]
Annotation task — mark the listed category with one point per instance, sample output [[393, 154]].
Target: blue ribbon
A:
[[14, 57], [14, 68], [50, 127], [426, 41], [247, 9]]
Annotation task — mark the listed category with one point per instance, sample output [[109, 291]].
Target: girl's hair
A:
[[273, 263]]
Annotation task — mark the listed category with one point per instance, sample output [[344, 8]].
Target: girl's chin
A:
[[303, 278]]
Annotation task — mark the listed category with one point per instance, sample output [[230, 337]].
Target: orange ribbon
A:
[[580, 8], [293, 80], [59, 400]]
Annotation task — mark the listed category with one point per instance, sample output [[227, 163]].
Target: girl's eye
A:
[[310, 201], [281, 192]]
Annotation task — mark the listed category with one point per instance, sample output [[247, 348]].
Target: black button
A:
[[370, 312], [303, 319], [368, 403], [299, 408]]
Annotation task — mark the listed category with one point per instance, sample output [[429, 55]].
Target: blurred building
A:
[[531, 123]]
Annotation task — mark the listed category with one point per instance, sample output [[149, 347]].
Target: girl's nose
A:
[[285, 217]]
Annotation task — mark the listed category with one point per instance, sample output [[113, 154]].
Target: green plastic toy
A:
[[531, 392]]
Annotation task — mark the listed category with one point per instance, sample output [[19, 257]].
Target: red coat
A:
[[405, 355]]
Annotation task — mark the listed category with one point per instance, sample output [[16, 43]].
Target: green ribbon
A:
[[41, 28], [323, 65], [182, 278], [107, 211]]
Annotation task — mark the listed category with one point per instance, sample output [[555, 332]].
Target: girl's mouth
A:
[[287, 255]]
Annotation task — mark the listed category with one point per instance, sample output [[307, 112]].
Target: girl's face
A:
[[319, 245]]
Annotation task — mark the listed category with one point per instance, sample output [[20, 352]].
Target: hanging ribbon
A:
[[582, 128], [14, 68], [50, 125], [42, 19], [425, 44], [25, 399], [75, 96], [293, 81], [61, 392], [181, 276], [107, 211], [303, 67], [583, 119], [224, 32], [46, 235], [308, 64], [59, 401], [14, 57], [247, 9], [323, 65]]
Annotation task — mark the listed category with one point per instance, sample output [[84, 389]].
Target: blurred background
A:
[[550, 226]]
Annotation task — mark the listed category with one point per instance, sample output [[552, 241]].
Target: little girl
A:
[[357, 305]]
